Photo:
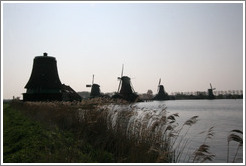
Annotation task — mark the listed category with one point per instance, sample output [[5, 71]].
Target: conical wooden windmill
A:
[[95, 89], [44, 83], [125, 89], [210, 92], [161, 94]]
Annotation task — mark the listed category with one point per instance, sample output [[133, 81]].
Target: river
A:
[[222, 115]]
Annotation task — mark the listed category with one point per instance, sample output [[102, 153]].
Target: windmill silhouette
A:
[[95, 89], [210, 92], [161, 94], [44, 83], [125, 89]]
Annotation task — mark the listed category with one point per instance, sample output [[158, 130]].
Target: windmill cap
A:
[[45, 56], [125, 77], [96, 85]]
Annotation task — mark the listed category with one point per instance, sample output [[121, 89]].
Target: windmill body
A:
[[44, 83], [161, 95], [210, 92], [125, 89], [95, 89], [126, 85]]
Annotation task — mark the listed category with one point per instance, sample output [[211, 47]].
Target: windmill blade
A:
[[158, 87], [119, 86], [120, 78], [132, 88], [88, 86], [122, 70], [92, 79], [211, 86]]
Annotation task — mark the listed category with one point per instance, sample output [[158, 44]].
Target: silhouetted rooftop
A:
[[44, 74]]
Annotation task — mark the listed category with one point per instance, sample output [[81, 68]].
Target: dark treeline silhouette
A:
[[203, 95]]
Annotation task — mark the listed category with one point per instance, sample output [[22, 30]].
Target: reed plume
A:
[[131, 133], [236, 136], [202, 153]]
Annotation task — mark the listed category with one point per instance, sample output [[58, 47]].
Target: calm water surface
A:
[[223, 115]]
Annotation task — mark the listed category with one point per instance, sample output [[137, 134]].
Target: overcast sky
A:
[[187, 45]]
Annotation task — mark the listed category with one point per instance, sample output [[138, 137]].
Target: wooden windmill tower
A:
[[161, 94], [95, 89], [125, 88], [210, 92], [44, 83]]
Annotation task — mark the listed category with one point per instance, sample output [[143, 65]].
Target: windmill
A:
[[44, 83], [95, 89], [161, 94], [125, 90], [210, 92]]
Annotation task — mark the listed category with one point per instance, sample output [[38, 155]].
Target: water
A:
[[222, 115]]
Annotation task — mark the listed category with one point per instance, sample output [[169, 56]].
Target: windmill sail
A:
[[158, 88], [120, 78]]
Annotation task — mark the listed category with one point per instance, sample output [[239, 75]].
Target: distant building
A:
[[126, 91], [210, 92], [68, 94], [162, 94], [44, 83], [95, 89]]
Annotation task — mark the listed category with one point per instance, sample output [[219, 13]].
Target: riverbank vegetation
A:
[[28, 140], [97, 130]]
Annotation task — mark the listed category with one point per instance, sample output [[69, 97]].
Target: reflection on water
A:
[[223, 115]]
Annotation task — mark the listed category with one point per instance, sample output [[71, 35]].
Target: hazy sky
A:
[[187, 45]]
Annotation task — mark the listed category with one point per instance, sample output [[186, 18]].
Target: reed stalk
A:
[[130, 133], [235, 135]]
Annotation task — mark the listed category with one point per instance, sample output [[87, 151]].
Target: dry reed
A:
[[132, 134], [236, 136]]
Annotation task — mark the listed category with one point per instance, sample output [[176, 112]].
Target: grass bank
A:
[[26, 140], [72, 132], [100, 130]]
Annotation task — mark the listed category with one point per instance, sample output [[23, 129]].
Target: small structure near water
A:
[[125, 89], [161, 95], [210, 92], [44, 83], [68, 94], [95, 89]]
